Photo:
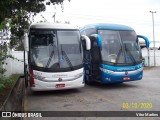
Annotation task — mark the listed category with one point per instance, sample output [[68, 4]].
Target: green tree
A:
[[15, 18], [18, 14]]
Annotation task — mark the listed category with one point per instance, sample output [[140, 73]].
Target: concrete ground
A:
[[143, 95]]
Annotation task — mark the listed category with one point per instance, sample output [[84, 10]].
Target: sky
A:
[[133, 13]]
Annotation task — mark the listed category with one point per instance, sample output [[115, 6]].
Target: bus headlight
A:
[[79, 75], [106, 70], [38, 77], [140, 69]]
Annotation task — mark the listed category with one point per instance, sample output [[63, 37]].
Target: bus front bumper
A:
[[46, 86], [118, 77]]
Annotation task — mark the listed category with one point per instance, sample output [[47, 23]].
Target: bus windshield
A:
[[120, 47], [55, 49]]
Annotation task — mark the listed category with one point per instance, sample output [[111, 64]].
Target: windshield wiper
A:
[[67, 59], [131, 56], [50, 58]]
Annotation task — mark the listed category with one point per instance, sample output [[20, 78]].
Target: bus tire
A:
[[88, 81]]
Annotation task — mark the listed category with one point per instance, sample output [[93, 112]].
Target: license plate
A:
[[60, 85], [126, 78]]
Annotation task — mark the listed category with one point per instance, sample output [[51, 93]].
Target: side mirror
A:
[[99, 40], [145, 43], [26, 44], [87, 42]]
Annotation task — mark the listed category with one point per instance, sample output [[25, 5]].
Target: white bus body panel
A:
[[48, 81]]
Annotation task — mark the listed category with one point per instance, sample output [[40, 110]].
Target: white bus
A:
[[55, 56]]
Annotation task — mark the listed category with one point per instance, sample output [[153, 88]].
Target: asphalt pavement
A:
[[142, 95]]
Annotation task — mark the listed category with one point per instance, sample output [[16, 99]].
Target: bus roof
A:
[[108, 26], [53, 26]]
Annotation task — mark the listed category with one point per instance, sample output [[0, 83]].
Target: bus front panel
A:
[[115, 74]]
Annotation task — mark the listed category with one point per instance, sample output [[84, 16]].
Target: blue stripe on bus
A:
[[108, 26], [107, 78], [121, 68]]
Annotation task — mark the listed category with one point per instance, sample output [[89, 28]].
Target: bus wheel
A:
[[26, 79], [88, 81]]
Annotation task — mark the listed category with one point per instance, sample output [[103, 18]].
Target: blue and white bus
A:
[[55, 56], [115, 55]]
